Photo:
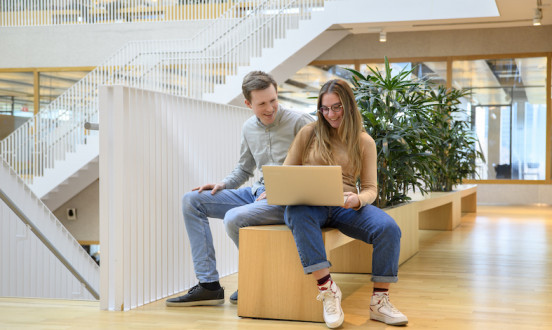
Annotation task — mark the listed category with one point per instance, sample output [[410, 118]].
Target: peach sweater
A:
[[368, 173]]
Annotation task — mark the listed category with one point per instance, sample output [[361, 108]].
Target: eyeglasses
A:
[[336, 108]]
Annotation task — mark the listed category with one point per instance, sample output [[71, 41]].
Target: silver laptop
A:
[[303, 185]]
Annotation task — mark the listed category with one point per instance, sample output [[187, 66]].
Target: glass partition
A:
[[17, 90], [434, 72], [17, 94], [53, 84], [508, 111], [301, 90]]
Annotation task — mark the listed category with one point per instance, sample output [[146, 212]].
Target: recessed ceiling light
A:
[[383, 36]]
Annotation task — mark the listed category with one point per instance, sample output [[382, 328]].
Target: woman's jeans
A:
[[237, 207], [369, 224]]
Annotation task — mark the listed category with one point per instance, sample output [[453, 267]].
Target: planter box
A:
[[443, 210]]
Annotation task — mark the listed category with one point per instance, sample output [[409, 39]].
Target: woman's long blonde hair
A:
[[348, 132]]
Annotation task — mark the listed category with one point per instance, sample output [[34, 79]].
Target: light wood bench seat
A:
[[268, 255]]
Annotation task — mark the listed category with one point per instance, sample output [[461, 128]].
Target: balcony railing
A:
[[60, 12]]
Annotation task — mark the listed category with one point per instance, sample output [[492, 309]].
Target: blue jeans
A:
[[369, 224], [237, 207]]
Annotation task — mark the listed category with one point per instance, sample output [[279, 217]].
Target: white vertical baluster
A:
[[140, 250]]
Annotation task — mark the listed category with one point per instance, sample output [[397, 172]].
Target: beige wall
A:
[[87, 225], [9, 123], [443, 43]]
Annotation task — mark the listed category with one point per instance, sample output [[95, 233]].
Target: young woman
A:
[[338, 138]]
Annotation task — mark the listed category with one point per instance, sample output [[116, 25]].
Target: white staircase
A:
[[288, 55], [65, 173], [69, 176], [39, 257]]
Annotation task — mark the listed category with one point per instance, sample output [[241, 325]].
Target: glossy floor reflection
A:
[[492, 272]]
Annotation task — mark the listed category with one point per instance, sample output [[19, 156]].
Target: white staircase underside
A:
[[285, 59], [39, 257], [300, 47], [69, 176]]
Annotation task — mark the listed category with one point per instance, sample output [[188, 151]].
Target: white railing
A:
[[189, 67], [154, 148], [60, 12], [38, 256]]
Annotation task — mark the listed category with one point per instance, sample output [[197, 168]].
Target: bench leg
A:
[[444, 217], [271, 280], [469, 203], [353, 257]]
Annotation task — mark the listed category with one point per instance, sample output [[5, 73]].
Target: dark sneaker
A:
[[197, 296], [234, 298]]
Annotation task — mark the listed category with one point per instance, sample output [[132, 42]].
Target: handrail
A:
[[20, 214], [91, 126]]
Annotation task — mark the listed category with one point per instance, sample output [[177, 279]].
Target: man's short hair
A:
[[257, 80]]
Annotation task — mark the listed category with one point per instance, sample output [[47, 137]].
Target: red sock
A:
[[324, 279], [380, 290]]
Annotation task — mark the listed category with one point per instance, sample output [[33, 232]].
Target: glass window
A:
[[435, 72], [53, 84], [17, 94], [508, 111], [301, 90]]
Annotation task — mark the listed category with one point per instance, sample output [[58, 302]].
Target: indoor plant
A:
[[393, 109], [422, 136], [451, 139]]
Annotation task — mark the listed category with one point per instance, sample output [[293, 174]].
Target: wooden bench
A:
[[268, 256], [443, 210], [468, 198]]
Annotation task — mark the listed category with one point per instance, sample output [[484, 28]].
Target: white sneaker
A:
[[381, 309], [330, 295]]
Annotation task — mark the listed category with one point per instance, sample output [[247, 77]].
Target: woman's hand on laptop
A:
[[261, 196], [351, 200], [211, 186]]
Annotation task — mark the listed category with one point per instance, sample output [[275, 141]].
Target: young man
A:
[[266, 137]]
